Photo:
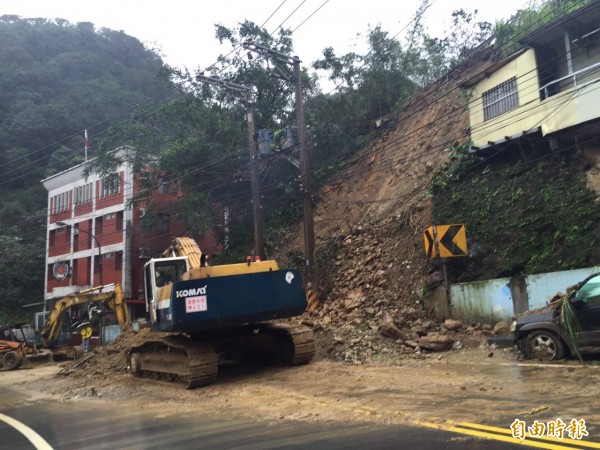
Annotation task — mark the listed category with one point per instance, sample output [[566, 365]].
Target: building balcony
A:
[[579, 79], [521, 106]]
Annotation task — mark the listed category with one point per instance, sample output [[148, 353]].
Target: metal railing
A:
[[582, 73]]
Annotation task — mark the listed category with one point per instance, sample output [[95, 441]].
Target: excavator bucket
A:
[[43, 356]]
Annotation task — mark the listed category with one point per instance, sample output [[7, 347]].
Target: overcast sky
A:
[[183, 30]]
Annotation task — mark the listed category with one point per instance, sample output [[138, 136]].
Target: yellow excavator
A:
[[110, 296], [200, 315]]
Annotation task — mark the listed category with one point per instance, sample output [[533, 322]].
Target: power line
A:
[[288, 17], [414, 112], [109, 119], [173, 97], [310, 16], [273, 13]]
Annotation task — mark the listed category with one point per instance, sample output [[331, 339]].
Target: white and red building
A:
[[94, 232]]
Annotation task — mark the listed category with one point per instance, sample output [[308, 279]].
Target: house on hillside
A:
[[549, 89], [95, 234]]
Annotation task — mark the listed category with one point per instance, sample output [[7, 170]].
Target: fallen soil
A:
[[480, 384], [372, 272], [379, 350]]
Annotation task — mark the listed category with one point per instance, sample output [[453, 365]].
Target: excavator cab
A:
[[159, 276]]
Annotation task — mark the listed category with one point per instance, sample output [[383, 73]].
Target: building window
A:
[[118, 260], [83, 194], [500, 99], [119, 225], [165, 185], [60, 202], [76, 237], [99, 225], [87, 278], [163, 223], [74, 271], [110, 185], [68, 236]]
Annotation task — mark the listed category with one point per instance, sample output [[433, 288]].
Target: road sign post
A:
[[445, 241]]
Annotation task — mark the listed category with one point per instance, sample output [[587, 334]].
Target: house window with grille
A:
[[500, 99]]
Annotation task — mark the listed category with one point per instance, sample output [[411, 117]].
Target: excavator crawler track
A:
[[175, 358], [303, 343], [194, 361], [284, 343]]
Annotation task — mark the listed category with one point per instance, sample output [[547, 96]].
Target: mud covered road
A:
[[485, 387]]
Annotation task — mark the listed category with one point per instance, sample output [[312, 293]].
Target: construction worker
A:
[[86, 334]]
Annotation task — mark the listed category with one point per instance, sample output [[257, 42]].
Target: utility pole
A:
[[309, 233], [295, 78], [259, 243]]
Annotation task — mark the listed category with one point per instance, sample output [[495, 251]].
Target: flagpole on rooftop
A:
[[86, 144]]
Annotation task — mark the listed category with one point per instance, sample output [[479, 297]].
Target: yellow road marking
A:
[[482, 431], [579, 442]]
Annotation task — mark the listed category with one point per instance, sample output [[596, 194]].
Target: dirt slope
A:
[[369, 224]]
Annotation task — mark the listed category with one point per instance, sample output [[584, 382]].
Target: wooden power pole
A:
[[309, 234]]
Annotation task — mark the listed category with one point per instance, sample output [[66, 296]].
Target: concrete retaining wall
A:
[[501, 298]]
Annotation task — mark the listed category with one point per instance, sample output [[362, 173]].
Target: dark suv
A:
[[541, 335]]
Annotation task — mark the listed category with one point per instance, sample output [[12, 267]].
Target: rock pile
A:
[[374, 309]]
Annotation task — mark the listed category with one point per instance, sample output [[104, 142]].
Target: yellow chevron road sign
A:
[[445, 241]]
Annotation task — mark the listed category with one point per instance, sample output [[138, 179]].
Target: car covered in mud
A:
[[544, 335]]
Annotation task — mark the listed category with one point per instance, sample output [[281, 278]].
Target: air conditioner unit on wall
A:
[[144, 253]]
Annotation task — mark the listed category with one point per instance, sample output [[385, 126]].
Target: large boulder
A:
[[436, 342]]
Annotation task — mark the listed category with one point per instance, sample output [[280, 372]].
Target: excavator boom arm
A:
[[185, 246], [114, 300]]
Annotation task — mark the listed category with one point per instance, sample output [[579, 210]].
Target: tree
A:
[[57, 79], [370, 86], [509, 32]]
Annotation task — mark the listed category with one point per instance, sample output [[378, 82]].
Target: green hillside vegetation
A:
[[527, 212], [56, 79], [204, 132]]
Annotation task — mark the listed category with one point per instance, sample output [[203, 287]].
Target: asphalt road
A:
[[42, 424]]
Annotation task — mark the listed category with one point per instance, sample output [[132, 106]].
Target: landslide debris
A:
[[375, 313], [369, 221], [110, 358]]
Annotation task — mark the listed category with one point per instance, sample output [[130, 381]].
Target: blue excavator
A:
[[200, 316]]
